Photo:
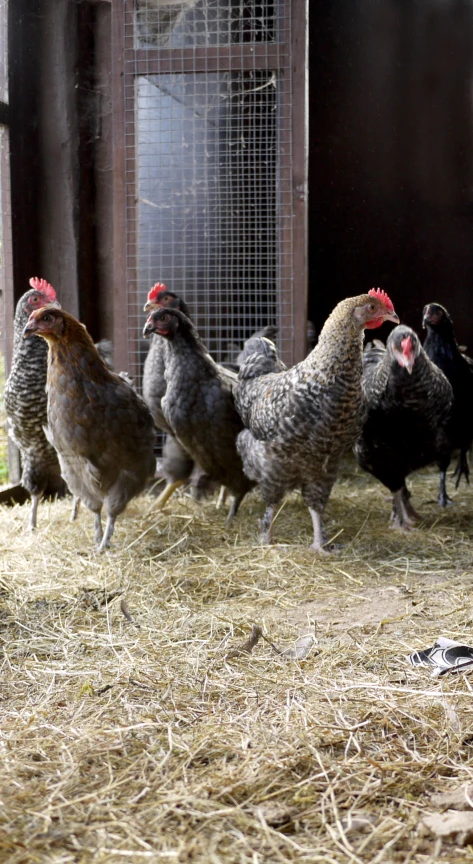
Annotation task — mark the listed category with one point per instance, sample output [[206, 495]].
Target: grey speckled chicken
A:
[[26, 402], [199, 403], [409, 406], [102, 430], [177, 466], [301, 421]]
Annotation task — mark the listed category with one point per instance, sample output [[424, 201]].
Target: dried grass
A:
[[152, 739]]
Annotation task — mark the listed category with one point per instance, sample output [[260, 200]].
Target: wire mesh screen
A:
[[208, 155], [178, 23]]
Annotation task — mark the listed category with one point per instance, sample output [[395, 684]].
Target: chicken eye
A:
[[165, 319], [372, 307], [47, 318]]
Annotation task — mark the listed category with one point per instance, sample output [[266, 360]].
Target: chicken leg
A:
[[320, 537], [234, 508], [35, 499], [403, 513], [98, 528], [266, 525], [109, 529], [462, 468], [75, 508]]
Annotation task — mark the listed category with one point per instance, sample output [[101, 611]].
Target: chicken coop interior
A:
[[288, 680]]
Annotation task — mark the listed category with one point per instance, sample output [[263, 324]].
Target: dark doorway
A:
[[391, 157]]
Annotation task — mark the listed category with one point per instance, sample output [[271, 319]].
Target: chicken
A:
[[103, 432], [264, 356], [177, 466], [198, 404], [301, 421], [441, 346], [26, 403], [409, 405], [154, 383], [234, 356]]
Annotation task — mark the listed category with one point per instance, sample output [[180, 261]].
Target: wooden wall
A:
[[61, 153]]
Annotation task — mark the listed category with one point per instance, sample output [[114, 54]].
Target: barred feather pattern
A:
[[199, 406], [154, 382], [301, 421], [26, 407], [177, 465], [407, 422]]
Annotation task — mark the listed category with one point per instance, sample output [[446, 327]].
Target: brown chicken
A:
[[301, 421], [102, 431]]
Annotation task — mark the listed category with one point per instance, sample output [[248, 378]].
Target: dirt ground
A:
[[133, 729]]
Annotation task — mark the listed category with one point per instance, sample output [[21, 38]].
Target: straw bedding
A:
[[132, 728]]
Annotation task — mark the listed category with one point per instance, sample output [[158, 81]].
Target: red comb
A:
[[44, 287], [156, 290], [381, 295]]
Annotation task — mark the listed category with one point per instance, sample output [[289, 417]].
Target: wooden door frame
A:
[[292, 59]]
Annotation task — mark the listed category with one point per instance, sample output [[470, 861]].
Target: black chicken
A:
[[409, 407], [441, 346], [198, 404]]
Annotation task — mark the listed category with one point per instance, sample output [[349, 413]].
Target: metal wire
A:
[[208, 156]]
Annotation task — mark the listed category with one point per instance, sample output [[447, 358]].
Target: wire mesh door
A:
[[207, 157]]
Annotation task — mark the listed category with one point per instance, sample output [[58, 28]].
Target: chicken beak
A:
[[391, 316], [147, 306], [148, 329], [29, 330]]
